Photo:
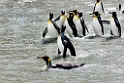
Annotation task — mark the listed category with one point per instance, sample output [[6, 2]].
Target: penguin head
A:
[[46, 59], [80, 14], [71, 14], [114, 14], [97, 1], [50, 16], [63, 12], [96, 14], [75, 12]]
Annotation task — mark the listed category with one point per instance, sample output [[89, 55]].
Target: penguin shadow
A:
[[93, 37], [48, 40], [112, 38]]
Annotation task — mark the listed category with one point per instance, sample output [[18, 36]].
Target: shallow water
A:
[[21, 25]]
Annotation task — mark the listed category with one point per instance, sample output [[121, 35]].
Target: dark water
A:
[[21, 25]]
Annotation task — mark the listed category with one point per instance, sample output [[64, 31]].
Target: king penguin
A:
[[52, 28], [61, 19], [97, 24], [115, 28], [70, 26], [99, 7], [65, 65], [81, 26], [64, 44]]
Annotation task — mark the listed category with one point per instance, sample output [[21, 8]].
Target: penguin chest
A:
[[68, 30], [113, 27], [61, 21], [60, 45], [97, 27], [79, 27], [75, 18], [52, 32], [98, 8]]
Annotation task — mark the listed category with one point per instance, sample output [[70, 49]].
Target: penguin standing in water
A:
[[70, 26], [79, 23], [61, 19], [97, 24], [52, 28], [64, 44], [99, 7], [115, 28], [66, 65], [81, 27]]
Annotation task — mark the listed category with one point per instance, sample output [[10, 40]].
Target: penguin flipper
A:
[[72, 50], [94, 8], [64, 52], [119, 32], [84, 26], [57, 27], [59, 52], [102, 8], [111, 32], [118, 25], [45, 32], [57, 19], [100, 21], [70, 46]]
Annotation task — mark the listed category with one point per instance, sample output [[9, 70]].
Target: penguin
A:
[[61, 19], [52, 28], [115, 27], [70, 26], [64, 44], [79, 23], [99, 7], [97, 24], [119, 8], [81, 27], [66, 65]]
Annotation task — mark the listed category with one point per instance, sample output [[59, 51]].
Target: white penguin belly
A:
[[68, 29], [52, 32], [60, 45], [114, 28], [97, 27], [98, 8], [79, 28], [61, 22]]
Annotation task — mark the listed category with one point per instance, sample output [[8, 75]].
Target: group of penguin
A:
[[72, 23]]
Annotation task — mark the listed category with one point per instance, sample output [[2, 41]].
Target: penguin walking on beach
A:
[[115, 27], [99, 7], [70, 26], [52, 28], [64, 44], [97, 24], [61, 19]]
